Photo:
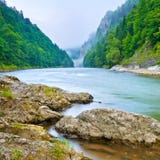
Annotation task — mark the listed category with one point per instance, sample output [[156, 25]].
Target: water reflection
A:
[[110, 151]]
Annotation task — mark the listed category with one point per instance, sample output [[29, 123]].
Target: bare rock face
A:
[[20, 102], [111, 125]]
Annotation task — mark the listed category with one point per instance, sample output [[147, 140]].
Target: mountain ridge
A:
[[110, 20], [133, 42]]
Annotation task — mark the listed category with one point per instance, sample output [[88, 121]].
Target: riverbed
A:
[[122, 91]]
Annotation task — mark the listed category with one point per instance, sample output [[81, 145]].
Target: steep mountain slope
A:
[[23, 45], [135, 41], [110, 20]]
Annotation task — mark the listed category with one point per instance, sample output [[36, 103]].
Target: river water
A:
[[123, 91]]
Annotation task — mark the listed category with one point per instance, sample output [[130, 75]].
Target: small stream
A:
[[123, 91]]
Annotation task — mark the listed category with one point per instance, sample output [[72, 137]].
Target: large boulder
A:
[[111, 125]]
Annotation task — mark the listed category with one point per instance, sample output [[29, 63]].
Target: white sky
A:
[[68, 23]]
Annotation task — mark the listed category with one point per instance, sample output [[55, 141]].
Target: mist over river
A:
[[122, 91]]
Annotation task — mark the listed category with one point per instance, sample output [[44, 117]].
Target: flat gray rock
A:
[[113, 126]]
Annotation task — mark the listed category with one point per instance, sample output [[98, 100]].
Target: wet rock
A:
[[111, 125]]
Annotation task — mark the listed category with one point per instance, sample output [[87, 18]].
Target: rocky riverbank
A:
[[35, 103], [112, 126], [21, 107], [31, 142], [150, 71]]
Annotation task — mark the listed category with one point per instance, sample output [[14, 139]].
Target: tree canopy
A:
[[136, 40], [24, 45]]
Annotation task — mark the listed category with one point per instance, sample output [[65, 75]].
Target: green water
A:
[[123, 91]]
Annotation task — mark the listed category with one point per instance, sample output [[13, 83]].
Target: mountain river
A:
[[122, 91]]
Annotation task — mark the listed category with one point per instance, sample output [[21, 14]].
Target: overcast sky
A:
[[66, 22]]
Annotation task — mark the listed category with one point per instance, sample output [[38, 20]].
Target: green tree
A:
[[23, 45]]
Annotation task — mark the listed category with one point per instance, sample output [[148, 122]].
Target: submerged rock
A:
[[111, 125]]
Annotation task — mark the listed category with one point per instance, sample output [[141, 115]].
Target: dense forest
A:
[[136, 40], [109, 21], [23, 45]]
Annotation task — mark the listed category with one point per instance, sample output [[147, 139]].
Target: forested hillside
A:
[[109, 21], [135, 41], [23, 45]]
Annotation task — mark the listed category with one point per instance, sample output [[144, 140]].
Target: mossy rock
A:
[[28, 131]]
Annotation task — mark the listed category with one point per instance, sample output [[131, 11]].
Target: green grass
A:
[[7, 67], [5, 92], [2, 114], [18, 125], [60, 149], [16, 154], [50, 91]]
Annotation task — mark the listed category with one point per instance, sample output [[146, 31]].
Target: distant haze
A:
[[66, 22]]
